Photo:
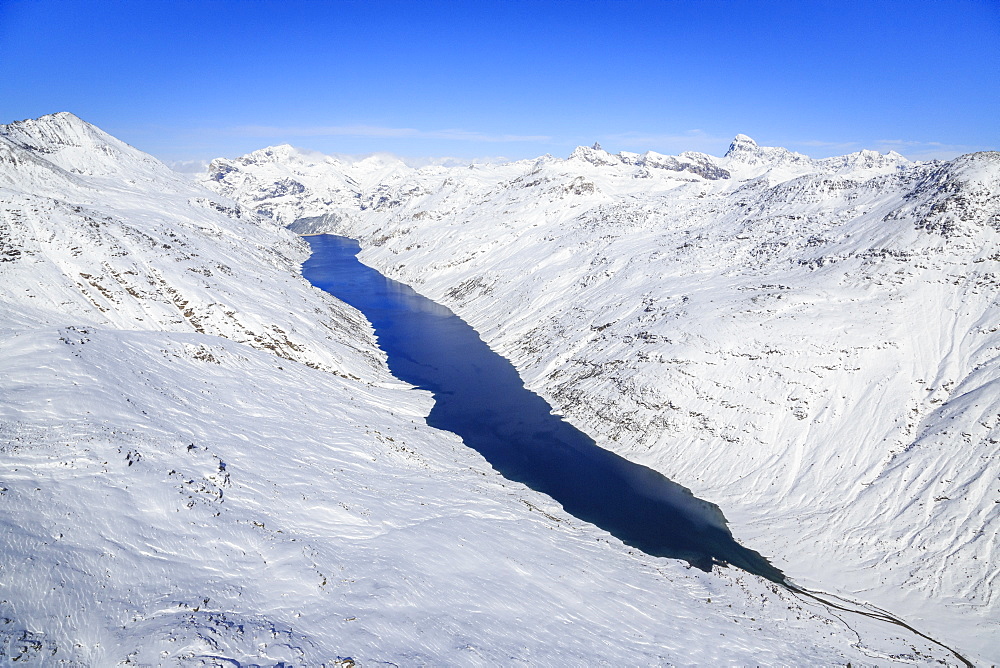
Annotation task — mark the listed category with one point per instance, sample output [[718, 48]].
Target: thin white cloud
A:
[[692, 140], [188, 166], [926, 150], [414, 161], [835, 145], [378, 132]]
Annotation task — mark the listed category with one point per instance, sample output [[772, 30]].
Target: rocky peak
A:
[[745, 151], [594, 155], [742, 147], [67, 141]]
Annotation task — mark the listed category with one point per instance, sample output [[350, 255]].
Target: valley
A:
[[209, 461], [810, 344]]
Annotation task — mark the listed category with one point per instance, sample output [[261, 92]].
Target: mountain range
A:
[[207, 462]]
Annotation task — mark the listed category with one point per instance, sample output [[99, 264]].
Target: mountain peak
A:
[[59, 129], [741, 144], [73, 144], [61, 117], [595, 155]]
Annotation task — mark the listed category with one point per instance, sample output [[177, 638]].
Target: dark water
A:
[[479, 396]]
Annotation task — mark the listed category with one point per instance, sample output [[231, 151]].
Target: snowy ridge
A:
[[65, 141], [285, 182], [206, 462], [812, 344]]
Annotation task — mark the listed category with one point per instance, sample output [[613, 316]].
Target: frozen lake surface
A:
[[479, 396]]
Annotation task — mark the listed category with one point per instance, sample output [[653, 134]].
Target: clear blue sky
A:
[[194, 80]]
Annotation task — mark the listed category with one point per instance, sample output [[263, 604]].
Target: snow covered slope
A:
[[811, 344], [206, 462]]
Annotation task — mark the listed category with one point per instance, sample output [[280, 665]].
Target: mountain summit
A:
[[78, 147], [741, 143]]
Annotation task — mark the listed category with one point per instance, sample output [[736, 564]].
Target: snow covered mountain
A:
[[206, 462], [811, 344]]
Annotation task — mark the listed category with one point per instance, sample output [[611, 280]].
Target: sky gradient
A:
[[196, 80]]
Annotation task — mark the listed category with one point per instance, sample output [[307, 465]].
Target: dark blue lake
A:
[[479, 396]]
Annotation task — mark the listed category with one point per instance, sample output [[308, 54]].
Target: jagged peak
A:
[[741, 144], [865, 159], [593, 154], [695, 163], [745, 151]]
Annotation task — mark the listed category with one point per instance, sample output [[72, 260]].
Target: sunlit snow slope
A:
[[206, 462], [811, 344]]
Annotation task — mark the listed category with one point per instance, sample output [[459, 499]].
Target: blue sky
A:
[[196, 80]]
